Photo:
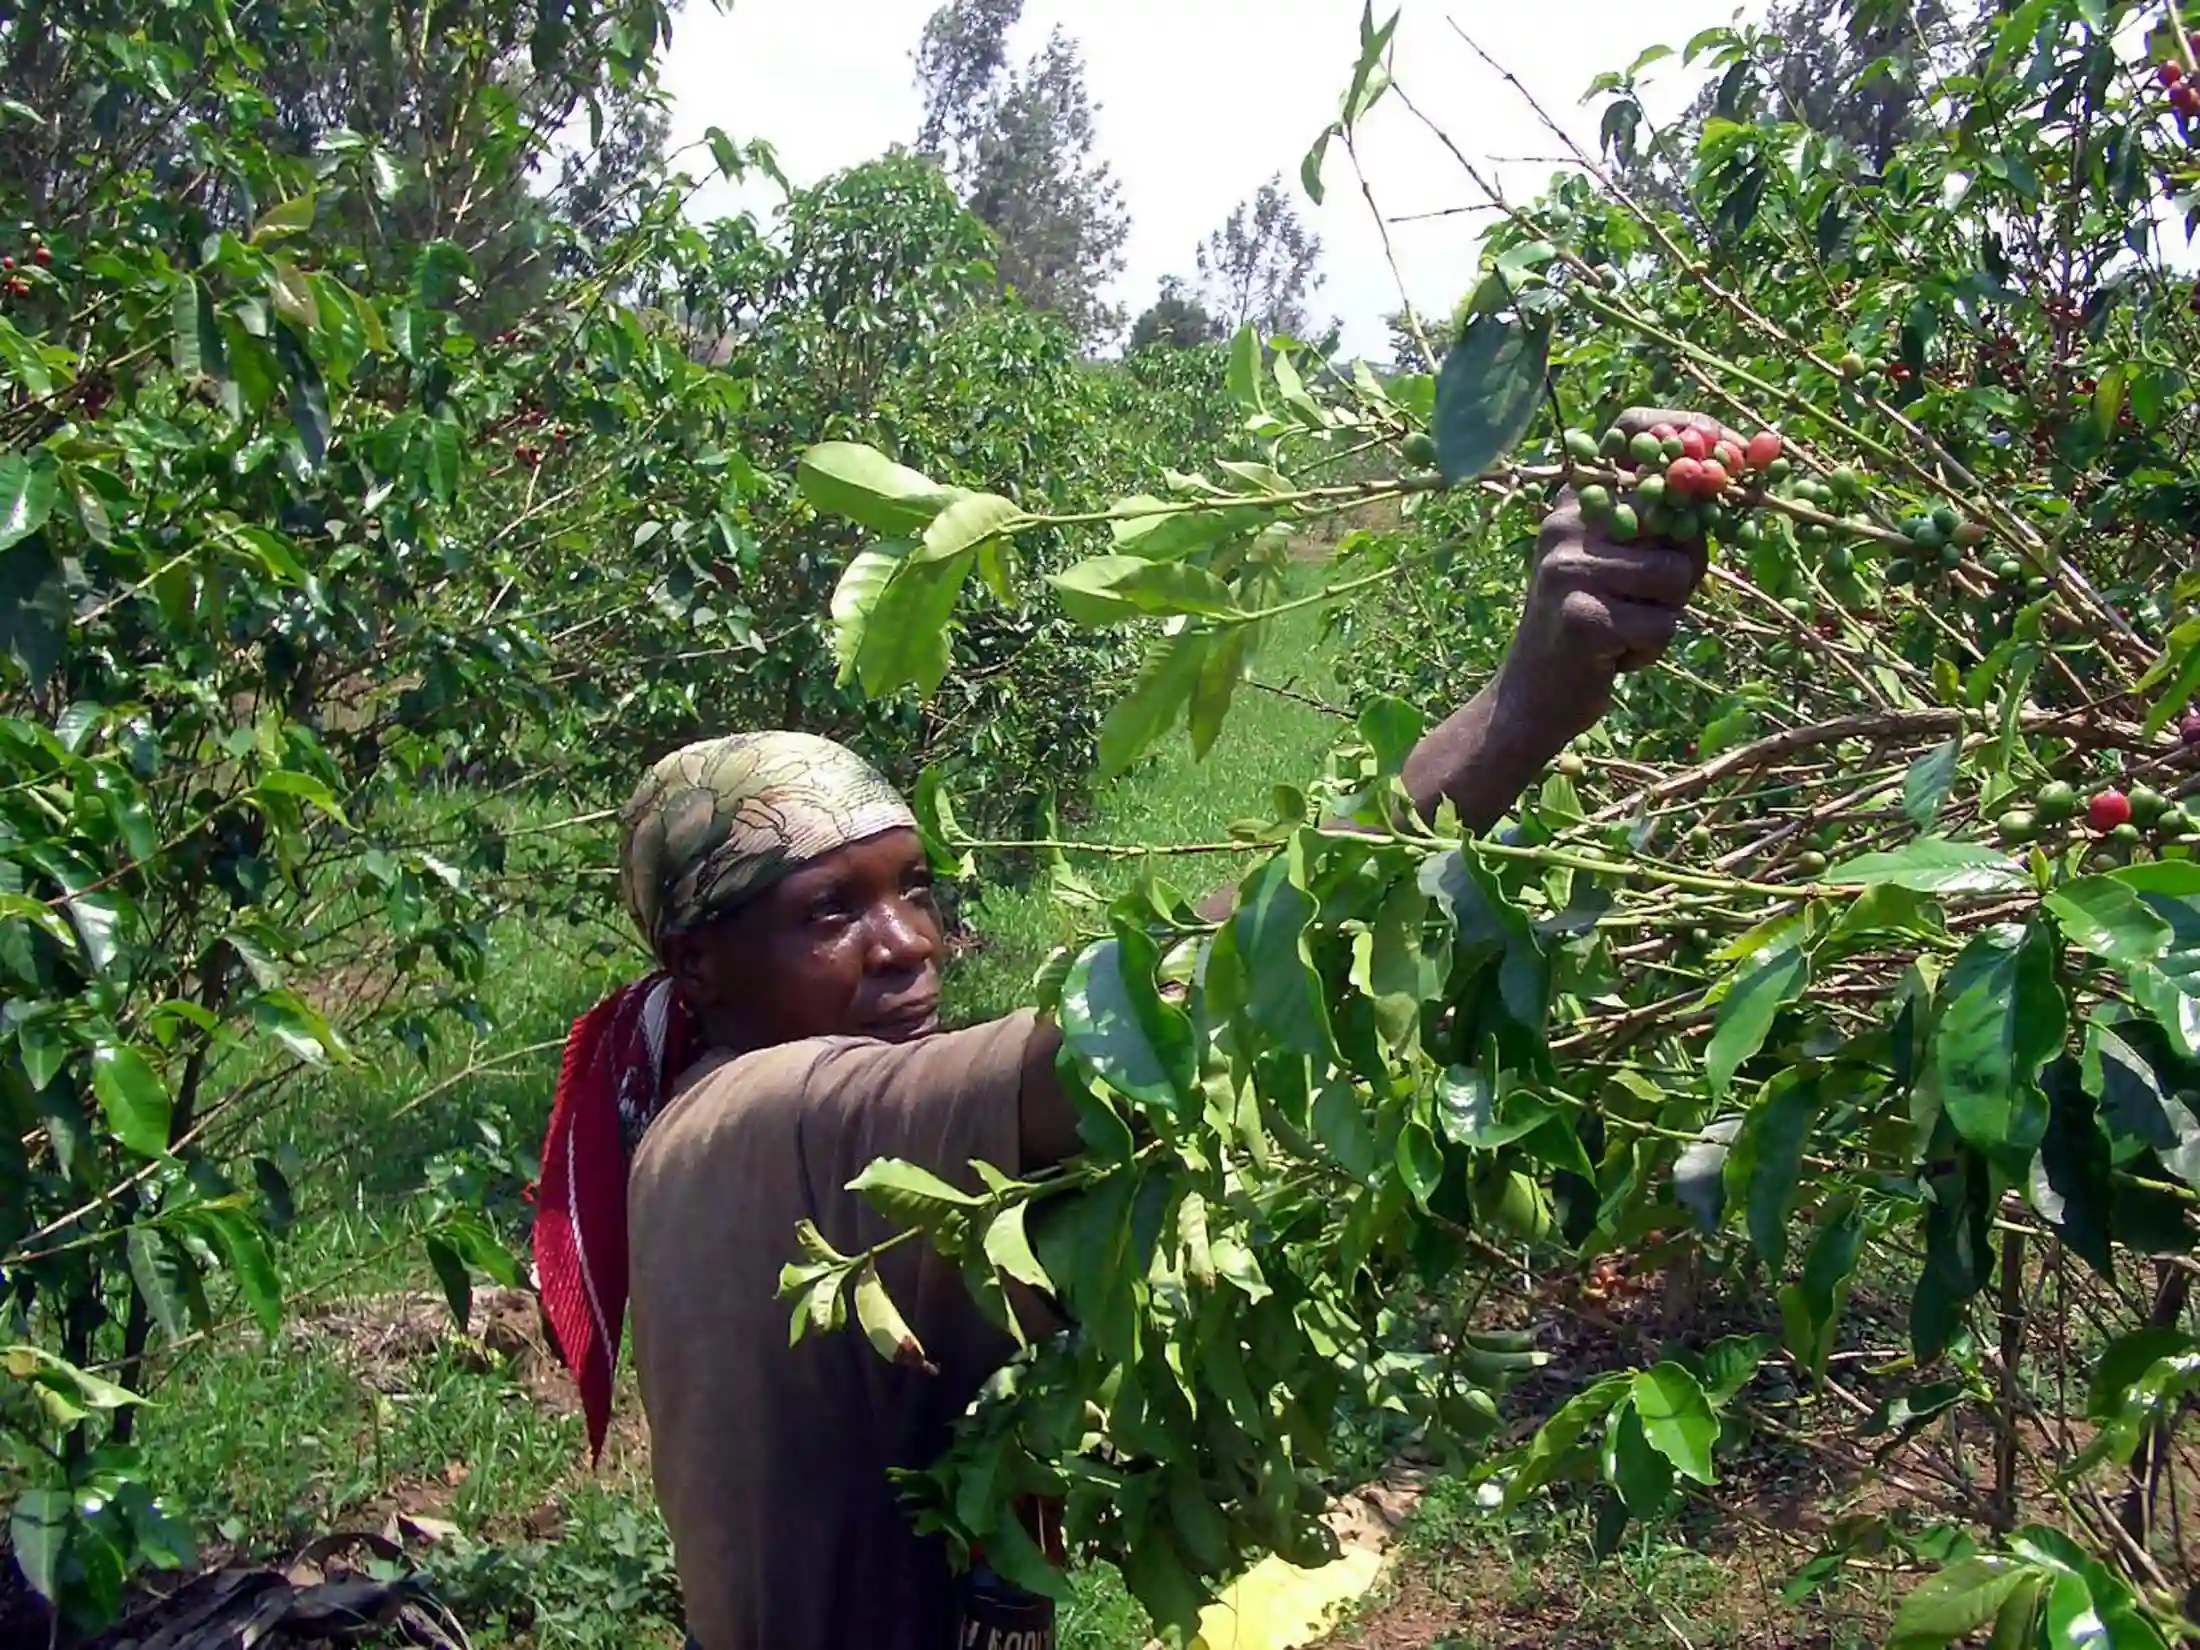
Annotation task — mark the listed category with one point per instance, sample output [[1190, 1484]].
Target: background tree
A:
[[1259, 266], [1409, 329], [1856, 70], [1019, 144], [1174, 320]]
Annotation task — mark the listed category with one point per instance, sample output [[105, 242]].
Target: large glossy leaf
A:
[[856, 597], [1931, 865], [38, 1530], [966, 524], [1109, 590], [910, 1196], [1677, 1419], [1558, 1437], [133, 1098], [28, 482], [2108, 917], [863, 485], [2070, 1182], [1219, 674], [1156, 699], [1244, 378], [1283, 996], [2002, 1020], [1487, 391], [1779, 1129], [2135, 1106], [1763, 985], [1115, 1021], [1810, 1308], [1959, 1600], [1925, 787], [1641, 1473], [904, 640], [244, 1245]]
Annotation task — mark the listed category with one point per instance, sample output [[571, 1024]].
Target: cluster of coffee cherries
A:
[[13, 281], [2120, 820], [1680, 478], [534, 418], [2184, 96]]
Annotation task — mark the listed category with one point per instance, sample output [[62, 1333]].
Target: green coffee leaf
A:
[[966, 524], [38, 1530], [458, 1285], [1008, 1247], [133, 1098], [1959, 1600], [1268, 936], [2002, 1021], [1165, 682], [884, 1326], [1244, 380], [1677, 1419], [32, 1363], [1641, 1473], [1107, 590], [910, 1196], [856, 597], [1931, 865], [2107, 917], [157, 1267], [863, 485], [1114, 1020], [1219, 674], [903, 640], [1558, 1437], [2134, 1105], [2179, 668], [244, 1245], [1779, 1130], [1487, 391], [1925, 787], [27, 486], [1761, 987]]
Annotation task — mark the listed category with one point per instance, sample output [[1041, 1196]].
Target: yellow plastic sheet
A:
[[1278, 1606]]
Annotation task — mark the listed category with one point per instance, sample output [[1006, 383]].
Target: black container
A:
[[996, 1616]]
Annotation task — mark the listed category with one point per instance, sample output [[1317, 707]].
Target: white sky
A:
[[1200, 102]]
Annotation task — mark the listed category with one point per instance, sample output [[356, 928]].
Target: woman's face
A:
[[849, 945]]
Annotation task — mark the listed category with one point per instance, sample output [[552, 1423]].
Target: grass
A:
[[367, 1406]]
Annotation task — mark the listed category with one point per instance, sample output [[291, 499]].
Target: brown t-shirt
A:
[[771, 1461]]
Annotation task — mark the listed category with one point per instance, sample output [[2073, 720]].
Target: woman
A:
[[792, 1036]]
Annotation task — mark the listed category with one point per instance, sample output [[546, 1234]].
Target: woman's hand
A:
[[1595, 608]]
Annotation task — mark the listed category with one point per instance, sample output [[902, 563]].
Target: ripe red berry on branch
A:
[[2185, 98], [1713, 479], [1685, 475], [42, 256], [1695, 444], [2170, 73], [1764, 447], [2107, 810]]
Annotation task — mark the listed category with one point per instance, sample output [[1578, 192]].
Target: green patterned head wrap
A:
[[725, 818]]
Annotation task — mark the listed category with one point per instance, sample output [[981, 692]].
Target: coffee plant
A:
[[373, 499], [1848, 972]]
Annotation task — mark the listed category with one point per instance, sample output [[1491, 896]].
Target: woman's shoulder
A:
[[750, 1090]]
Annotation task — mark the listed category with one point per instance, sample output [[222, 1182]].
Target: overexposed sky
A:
[[1200, 102]]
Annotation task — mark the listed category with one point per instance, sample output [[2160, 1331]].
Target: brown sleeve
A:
[[941, 1102]]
